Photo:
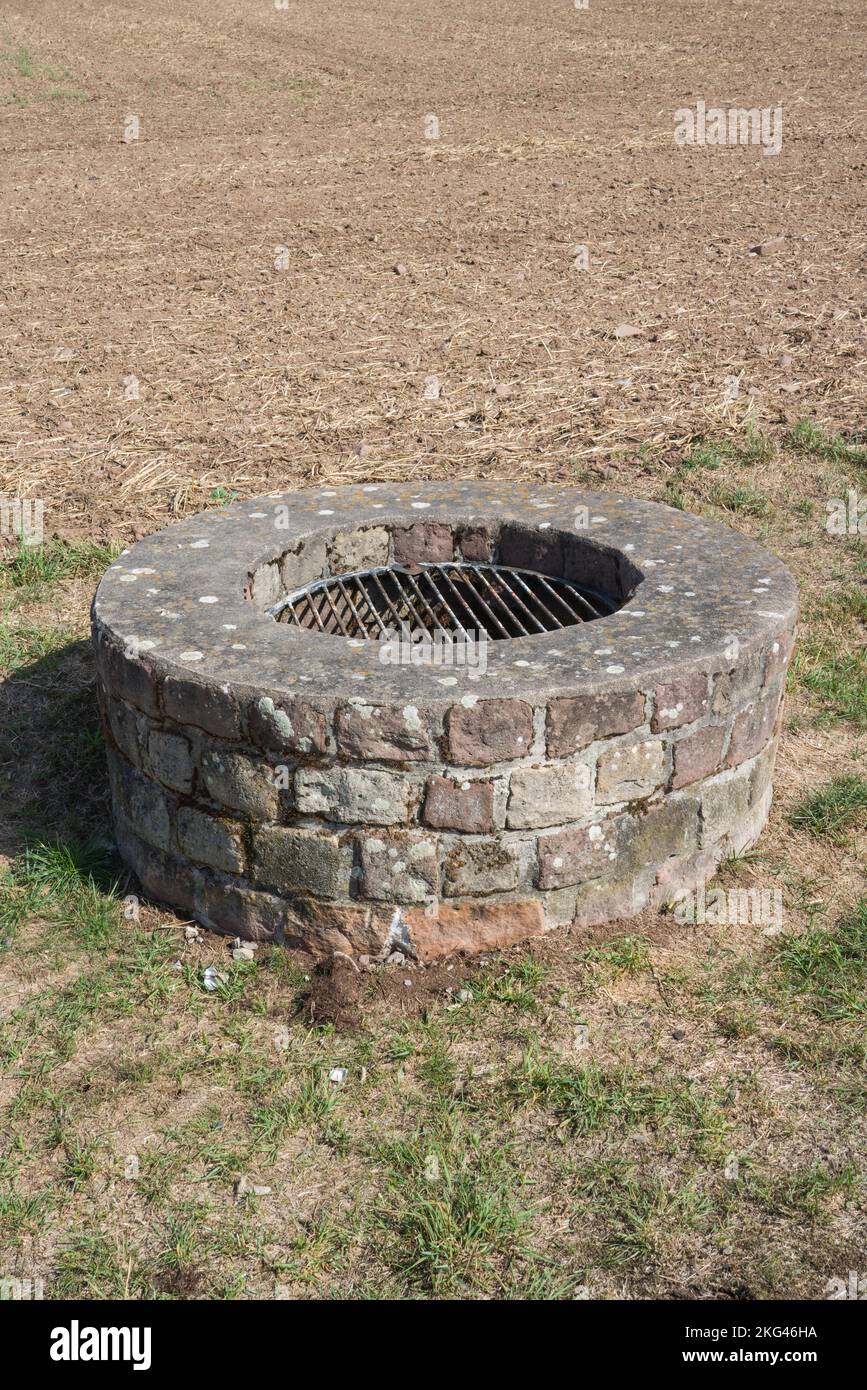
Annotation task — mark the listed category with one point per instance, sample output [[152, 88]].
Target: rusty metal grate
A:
[[447, 598]]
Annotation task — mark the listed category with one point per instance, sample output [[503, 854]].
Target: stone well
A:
[[279, 780]]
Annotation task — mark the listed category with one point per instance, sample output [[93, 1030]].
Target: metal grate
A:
[[460, 598]]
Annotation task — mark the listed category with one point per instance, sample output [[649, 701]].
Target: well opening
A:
[[459, 598]]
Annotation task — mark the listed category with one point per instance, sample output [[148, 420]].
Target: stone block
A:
[[580, 853], [680, 702], [472, 925], [482, 732], [630, 772], [188, 701], [724, 802], [241, 783], [289, 726], [733, 688], [698, 755], [466, 806], [364, 795], [574, 723], [171, 760], [128, 728], [365, 548], [244, 912], [429, 542], [475, 544], [752, 730], [474, 868], [305, 562], [292, 860], [384, 733], [399, 868], [542, 796], [218, 844]]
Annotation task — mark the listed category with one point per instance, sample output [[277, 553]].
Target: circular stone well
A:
[[280, 780]]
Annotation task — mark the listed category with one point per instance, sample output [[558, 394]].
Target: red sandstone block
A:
[[698, 755], [527, 548], [475, 544], [292, 726], [489, 731], [429, 541], [752, 730], [680, 702], [384, 733], [189, 701], [470, 925], [323, 928], [574, 723], [452, 806]]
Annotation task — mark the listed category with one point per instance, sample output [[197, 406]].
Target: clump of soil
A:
[[350, 996]]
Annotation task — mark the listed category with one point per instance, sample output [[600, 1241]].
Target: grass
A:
[[837, 678], [37, 77], [452, 1213], [827, 970], [685, 486], [832, 812], [739, 498], [38, 569], [806, 437], [589, 1097], [630, 955]]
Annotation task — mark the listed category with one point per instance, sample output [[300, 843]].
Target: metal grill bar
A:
[[495, 600], [555, 593], [399, 619], [486, 608], [506, 581], [497, 596], [437, 625]]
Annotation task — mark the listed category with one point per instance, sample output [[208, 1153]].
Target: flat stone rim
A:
[[175, 601]]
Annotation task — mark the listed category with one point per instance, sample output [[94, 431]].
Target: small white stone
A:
[[209, 598], [191, 656]]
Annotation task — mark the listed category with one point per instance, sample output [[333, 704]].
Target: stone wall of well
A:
[[342, 825]]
